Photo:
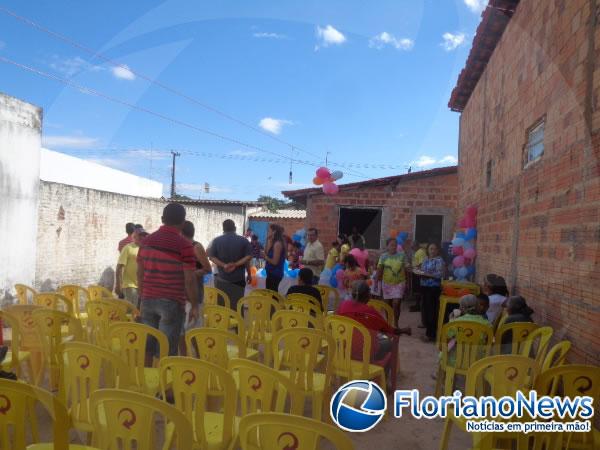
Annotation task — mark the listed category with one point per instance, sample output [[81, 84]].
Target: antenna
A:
[[175, 155], [291, 165]]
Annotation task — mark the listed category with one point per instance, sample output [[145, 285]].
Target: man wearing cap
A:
[[127, 284]]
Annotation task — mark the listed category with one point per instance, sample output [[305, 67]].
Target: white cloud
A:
[[273, 125], [77, 142], [428, 161], [329, 36], [424, 161], [71, 66], [242, 153], [448, 160], [123, 72], [453, 41], [263, 35], [476, 5], [385, 38]]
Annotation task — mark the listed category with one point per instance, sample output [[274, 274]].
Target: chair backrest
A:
[[262, 389], [100, 315], [500, 318], [18, 416], [510, 337], [557, 355], [211, 344], [216, 297], [472, 341], [501, 375], [256, 312], [304, 298], [343, 330], [97, 292], [386, 311], [25, 293], [9, 321], [126, 420], [306, 307], [223, 318], [288, 318], [276, 430], [269, 293], [570, 380], [84, 369], [133, 338], [78, 295], [29, 336], [130, 310], [536, 344], [55, 301], [190, 381], [297, 349], [326, 292]]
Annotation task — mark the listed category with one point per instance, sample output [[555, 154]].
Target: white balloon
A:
[[336, 175]]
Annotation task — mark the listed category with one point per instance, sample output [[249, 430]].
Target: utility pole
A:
[[175, 155], [326, 158]]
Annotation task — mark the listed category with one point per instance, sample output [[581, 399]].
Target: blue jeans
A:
[[166, 316]]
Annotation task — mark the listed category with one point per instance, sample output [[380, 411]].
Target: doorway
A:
[[366, 220], [429, 228]]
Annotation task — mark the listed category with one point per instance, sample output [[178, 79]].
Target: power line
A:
[[155, 82]]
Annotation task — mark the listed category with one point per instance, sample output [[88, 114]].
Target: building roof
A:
[[220, 202], [281, 214], [494, 20], [377, 181]]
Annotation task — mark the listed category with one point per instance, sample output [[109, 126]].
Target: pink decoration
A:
[[470, 222], [458, 261], [330, 188], [456, 250], [323, 173], [470, 254], [471, 212], [462, 223]]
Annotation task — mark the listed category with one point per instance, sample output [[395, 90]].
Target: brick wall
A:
[[79, 228], [539, 226]]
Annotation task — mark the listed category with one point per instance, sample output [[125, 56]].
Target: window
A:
[[366, 220], [488, 174], [535, 143]]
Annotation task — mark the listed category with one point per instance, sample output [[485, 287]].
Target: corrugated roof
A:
[[220, 202], [281, 214], [494, 20], [378, 181]]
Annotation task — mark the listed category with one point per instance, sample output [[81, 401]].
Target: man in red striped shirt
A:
[[166, 266]]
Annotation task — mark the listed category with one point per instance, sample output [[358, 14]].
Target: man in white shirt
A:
[[314, 254]]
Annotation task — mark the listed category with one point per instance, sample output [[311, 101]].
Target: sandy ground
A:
[[418, 362]]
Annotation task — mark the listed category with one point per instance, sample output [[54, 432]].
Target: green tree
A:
[[274, 204]]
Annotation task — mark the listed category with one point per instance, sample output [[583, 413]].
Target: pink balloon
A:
[[457, 251], [323, 173], [470, 222], [330, 188], [462, 223], [458, 261], [470, 253], [471, 211]]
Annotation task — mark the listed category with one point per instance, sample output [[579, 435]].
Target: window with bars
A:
[[535, 143]]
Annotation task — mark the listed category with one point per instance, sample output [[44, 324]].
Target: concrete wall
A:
[[20, 140], [538, 224], [79, 230], [61, 168]]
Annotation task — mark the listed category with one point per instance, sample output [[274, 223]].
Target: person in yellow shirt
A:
[[127, 266], [333, 255], [344, 247], [420, 253]]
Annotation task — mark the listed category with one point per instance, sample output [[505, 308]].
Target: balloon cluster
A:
[[327, 179], [300, 236], [463, 245], [401, 239]]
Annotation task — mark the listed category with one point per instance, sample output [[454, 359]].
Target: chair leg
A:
[[317, 406], [438, 381], [446, 434], [449, 382]]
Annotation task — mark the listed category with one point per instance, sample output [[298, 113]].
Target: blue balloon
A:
[[399, 240], [460, 235], [463, 272], [333, 280], [467, 245], [293, 273], [296, 238], [403, 235], [458, 242], [471, 234], [471, 270], [456, 273]]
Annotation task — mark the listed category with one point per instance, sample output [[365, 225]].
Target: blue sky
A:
[[368, 82]]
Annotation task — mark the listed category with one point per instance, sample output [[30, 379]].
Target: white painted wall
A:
[[20, 141], [66, 169]]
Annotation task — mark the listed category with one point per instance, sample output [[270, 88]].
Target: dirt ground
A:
[[418, 362]]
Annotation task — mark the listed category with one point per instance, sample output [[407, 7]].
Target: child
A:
[[333, 255], [483, 304], [352, 273]]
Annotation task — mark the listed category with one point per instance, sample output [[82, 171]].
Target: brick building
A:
[[422, 203], [528, 157]]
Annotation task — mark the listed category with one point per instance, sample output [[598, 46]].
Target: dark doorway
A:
[[428, 228], [366, 220]]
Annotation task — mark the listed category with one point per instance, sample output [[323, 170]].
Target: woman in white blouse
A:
[[494, 286]]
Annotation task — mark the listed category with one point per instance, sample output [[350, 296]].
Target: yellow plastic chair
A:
[[55, 301], [304, 298], [29, 339], [214, 345], [500, 318], [296, 352], [54, 328], [556, 356], [222, 317], [192, 382], [84, 369], [326, 293], [445, 300], [100, 315], [216, 297], [269, 293], [308, 308], [342, 329], [262, 389], [256, 312], [517, 333], [131, 311], [386, 311], [536, 344], [132, 340], [266, 431], [79, 297], [25, 294], [15, 358], [97, 292], [497, 376], [472, 341], [288, 318], [127, 420], [19, 421]]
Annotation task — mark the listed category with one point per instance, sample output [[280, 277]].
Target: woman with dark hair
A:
[[518, 310], [494, 286], [390, 273], [431, 273], [274, 256]]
